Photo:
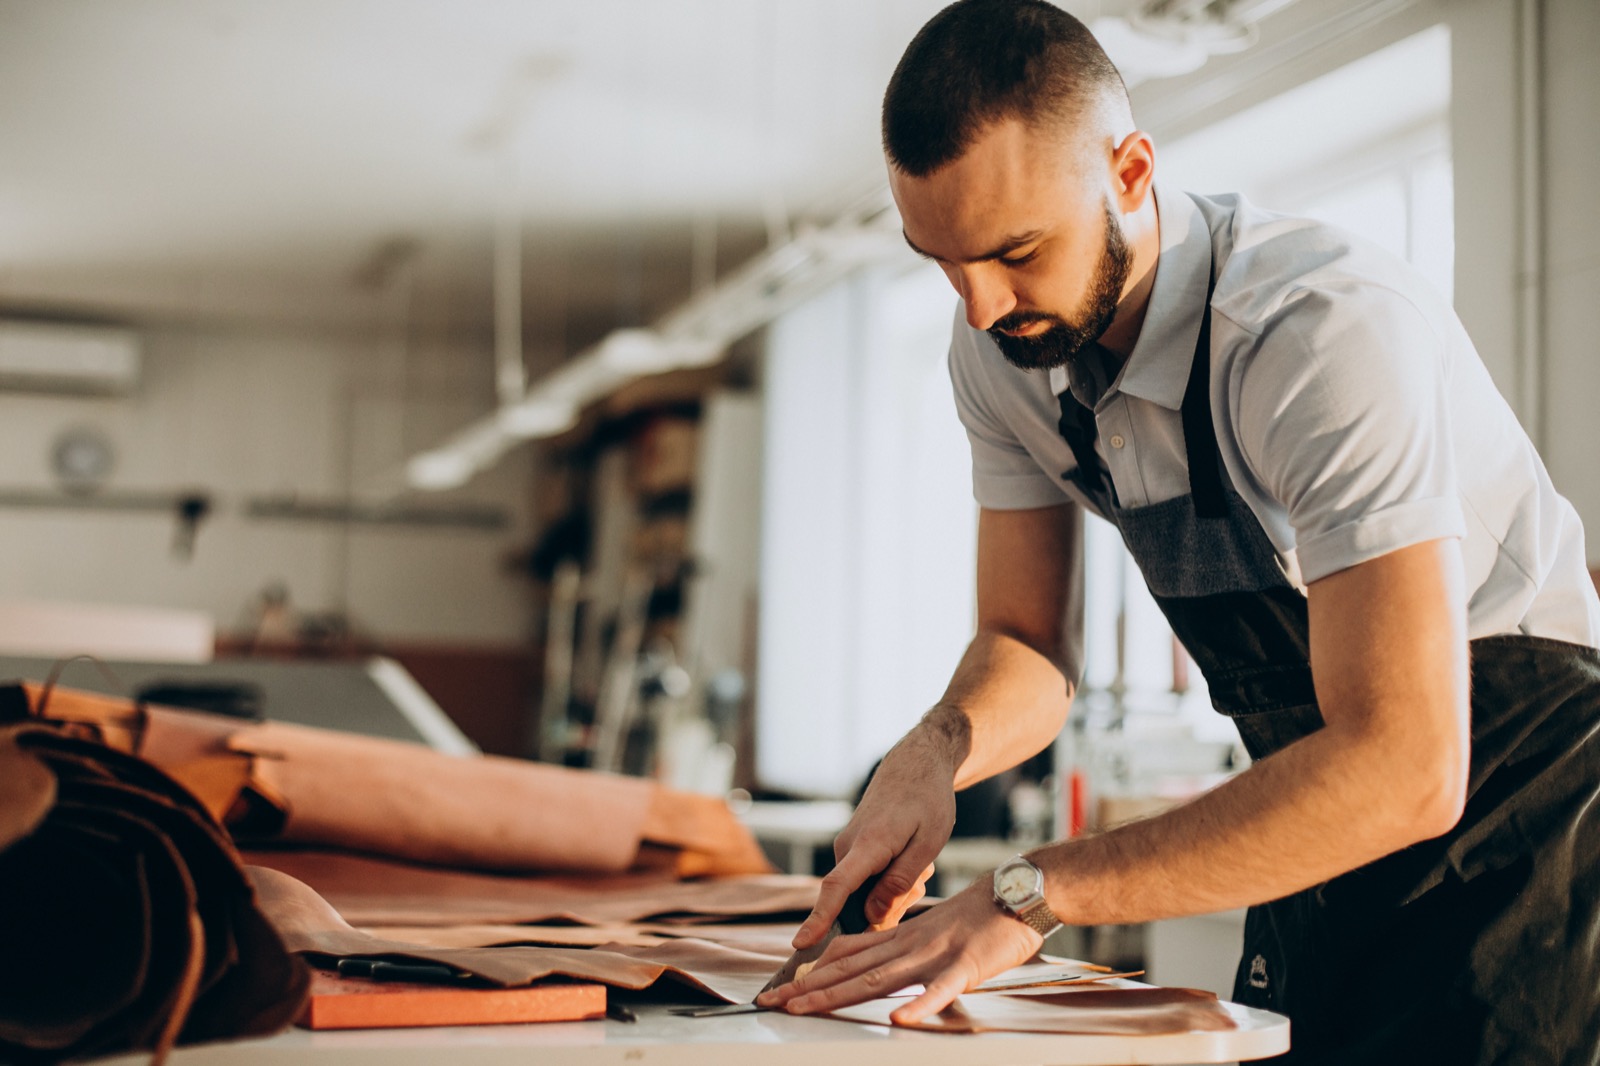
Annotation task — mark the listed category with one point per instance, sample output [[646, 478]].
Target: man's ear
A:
[[1133, 167]]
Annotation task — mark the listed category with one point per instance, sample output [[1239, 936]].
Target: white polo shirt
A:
[[1352, 413]]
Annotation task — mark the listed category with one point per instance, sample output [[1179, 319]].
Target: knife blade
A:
[[852, 919]]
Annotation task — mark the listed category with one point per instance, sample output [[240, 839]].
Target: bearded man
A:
[[1342, 521]]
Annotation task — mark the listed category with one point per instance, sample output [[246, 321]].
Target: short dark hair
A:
[[978, 61]]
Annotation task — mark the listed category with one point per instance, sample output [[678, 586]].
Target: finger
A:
[[936, 996], [904, 875], [881, 980], [861, 863], [869, 951], [910, 900]]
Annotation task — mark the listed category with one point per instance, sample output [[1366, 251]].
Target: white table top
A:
[[766, 1038]]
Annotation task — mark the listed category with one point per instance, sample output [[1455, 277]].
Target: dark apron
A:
[[1481, 946]]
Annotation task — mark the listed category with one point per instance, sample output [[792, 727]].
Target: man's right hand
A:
[[899, 828], [1007, 700]]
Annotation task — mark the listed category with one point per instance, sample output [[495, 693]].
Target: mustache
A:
[[1023, 319]]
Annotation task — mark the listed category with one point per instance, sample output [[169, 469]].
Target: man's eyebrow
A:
[[1006, 247]]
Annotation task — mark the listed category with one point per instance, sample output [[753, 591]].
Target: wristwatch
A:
[[1019, 888]]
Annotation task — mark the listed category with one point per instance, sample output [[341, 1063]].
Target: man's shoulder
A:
[[1278, 269]]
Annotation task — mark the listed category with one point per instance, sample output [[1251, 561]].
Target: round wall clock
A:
[[82, 459]]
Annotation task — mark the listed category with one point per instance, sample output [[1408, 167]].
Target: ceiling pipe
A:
[[511, 374]]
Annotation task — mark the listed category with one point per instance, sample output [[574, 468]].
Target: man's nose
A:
[[986, 295]]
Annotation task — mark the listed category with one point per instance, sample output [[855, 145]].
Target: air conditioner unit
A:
[[68, 358]]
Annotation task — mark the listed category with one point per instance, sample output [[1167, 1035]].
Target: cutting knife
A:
[[852, 919]]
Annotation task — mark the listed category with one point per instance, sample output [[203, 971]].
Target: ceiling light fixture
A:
[[1169, 38], [696, 334]]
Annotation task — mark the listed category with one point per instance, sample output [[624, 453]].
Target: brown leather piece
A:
[[701, 831], [1129, 1011], [114, 722], [734, 972], [494, 936], [369, 891], [276, 781], [728, 971], [342, 1003], [310, 926], [759, 936], [125, 918], [27, 791], [732, 965], [388, 797]]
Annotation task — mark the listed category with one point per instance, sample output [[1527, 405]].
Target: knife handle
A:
[[853, 915]]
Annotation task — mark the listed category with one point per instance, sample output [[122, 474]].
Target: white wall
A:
[[244, 411], [1527, 145], [1571, 312], [868, 529]]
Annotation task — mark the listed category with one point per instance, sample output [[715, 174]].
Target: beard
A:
[[1064, 340]]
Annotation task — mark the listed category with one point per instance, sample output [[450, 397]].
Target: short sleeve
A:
[[1342, 416], [1005, 477]]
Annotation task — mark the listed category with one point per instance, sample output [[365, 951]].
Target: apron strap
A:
[[1077, 427], [1199, 431]]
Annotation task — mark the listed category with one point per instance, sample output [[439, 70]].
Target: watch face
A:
[[1015, 882]]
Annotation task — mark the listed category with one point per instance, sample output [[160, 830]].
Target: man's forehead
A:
[[973, 225], [1009, 184]]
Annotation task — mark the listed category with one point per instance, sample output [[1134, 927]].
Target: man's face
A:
[[1026, 232]]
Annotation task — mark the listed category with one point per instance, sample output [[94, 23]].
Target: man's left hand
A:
[[950, 949]]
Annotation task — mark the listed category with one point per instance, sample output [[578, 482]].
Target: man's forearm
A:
[[1389, 767], [1006, 702], [1317, 809]]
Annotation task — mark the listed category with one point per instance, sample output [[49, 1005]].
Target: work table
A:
[[768, 1038]]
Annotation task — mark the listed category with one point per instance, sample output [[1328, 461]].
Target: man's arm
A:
[[1007, 701], [1389, 661]]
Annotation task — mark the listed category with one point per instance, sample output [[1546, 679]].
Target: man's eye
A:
[[1018, 260]]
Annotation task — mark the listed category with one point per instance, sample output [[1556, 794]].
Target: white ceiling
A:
[[249, 157], [340, 161]]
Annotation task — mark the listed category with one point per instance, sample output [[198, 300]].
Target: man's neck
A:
[[1143, 230]]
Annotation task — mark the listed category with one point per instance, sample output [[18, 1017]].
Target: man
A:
[[1342, 521]]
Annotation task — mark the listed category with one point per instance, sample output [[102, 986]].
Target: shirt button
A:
[[1117, 441]]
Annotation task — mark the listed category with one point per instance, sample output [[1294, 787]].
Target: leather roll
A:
[[127, 921]]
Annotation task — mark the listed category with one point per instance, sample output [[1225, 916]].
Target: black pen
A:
[[380, 970]]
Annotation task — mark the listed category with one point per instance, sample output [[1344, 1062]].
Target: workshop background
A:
[[568, 353]]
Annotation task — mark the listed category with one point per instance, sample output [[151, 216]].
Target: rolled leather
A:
[[277, 782], [125, 917]]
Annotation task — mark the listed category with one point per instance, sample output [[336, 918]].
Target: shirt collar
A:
[[1158, 367]]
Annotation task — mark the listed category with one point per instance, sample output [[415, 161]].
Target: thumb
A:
[[896, 886]]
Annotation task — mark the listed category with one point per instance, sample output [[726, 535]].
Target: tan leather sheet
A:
[[730, 972], [1123, 1011], [495, 936], [733, 971], [774, 937], [300, 784], [308, 925], [369, 891]]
